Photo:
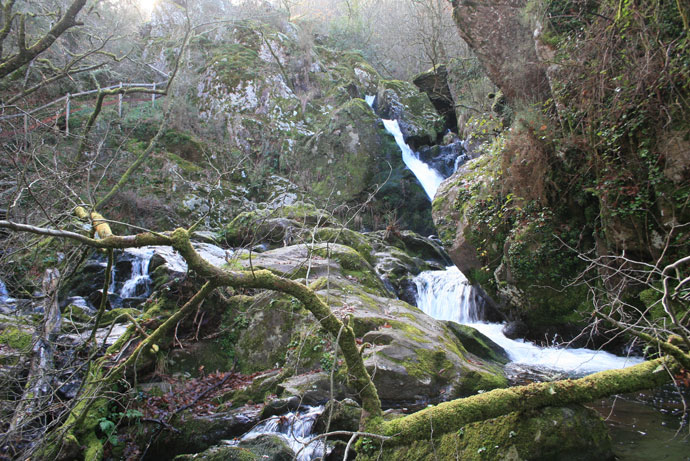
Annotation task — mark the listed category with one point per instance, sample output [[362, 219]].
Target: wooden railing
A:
[[67, 100]]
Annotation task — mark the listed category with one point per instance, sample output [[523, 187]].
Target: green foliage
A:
[[108, 424]]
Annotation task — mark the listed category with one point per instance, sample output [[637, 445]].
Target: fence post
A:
[[153, 96], [119, 102], [67, 109]]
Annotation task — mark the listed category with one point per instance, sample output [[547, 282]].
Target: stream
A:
[[643, 426]]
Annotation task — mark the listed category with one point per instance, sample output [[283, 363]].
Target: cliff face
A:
[[595, 160], [498, 33]]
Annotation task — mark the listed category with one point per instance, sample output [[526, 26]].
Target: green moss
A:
[[354, 266], [346, 237], [235, 63], [571, 433], [185, 165], [16, 338], [184, 145], [76, 314], [410, 331], [429, 363], [221, 454], [119, 314], [478, 344], [475, 381]]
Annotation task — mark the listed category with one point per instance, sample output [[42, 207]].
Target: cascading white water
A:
[[448, 297], [443, 294], [427, 176], [140, 259], [4, 294], [295, 428]]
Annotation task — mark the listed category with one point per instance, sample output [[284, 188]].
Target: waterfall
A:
[[295, 428], [4, 294], [139, 281], [428, 177], [446, 295]]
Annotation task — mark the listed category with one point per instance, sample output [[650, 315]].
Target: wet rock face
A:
[[444, 159]]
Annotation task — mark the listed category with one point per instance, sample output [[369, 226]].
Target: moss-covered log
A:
[[450, 416]]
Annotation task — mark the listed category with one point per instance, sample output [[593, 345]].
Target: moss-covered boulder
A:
[[269, 447], [412, 357], [352, 141], [434, 83], [402, 101], [221, 453], [196, 432], [569, 433]]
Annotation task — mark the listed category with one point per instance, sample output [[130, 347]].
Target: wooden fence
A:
[[67, 100]]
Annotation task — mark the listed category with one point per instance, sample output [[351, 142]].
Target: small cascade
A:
[[296, 429], [4, 294], [446, 295], [428, 177], [139, 281]]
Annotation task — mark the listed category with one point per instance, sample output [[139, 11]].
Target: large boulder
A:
[[419, 122], [412, 358], [434, 82]]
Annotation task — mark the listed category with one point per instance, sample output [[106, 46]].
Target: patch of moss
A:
[[346, 237], [119, 314], [235, 63], [16, 338], [429, 363], [185, 165]]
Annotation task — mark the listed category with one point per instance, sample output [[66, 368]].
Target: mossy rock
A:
[[353, 265], [350, 141], [77, 313], [184, 145], [413, 110], [197, 432], [119, 315], [221, 453], [478, 343], [16, 338], [566, 434], [269, 447], [346, 237]]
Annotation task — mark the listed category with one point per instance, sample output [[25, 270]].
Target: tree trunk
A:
[[39, 387]]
